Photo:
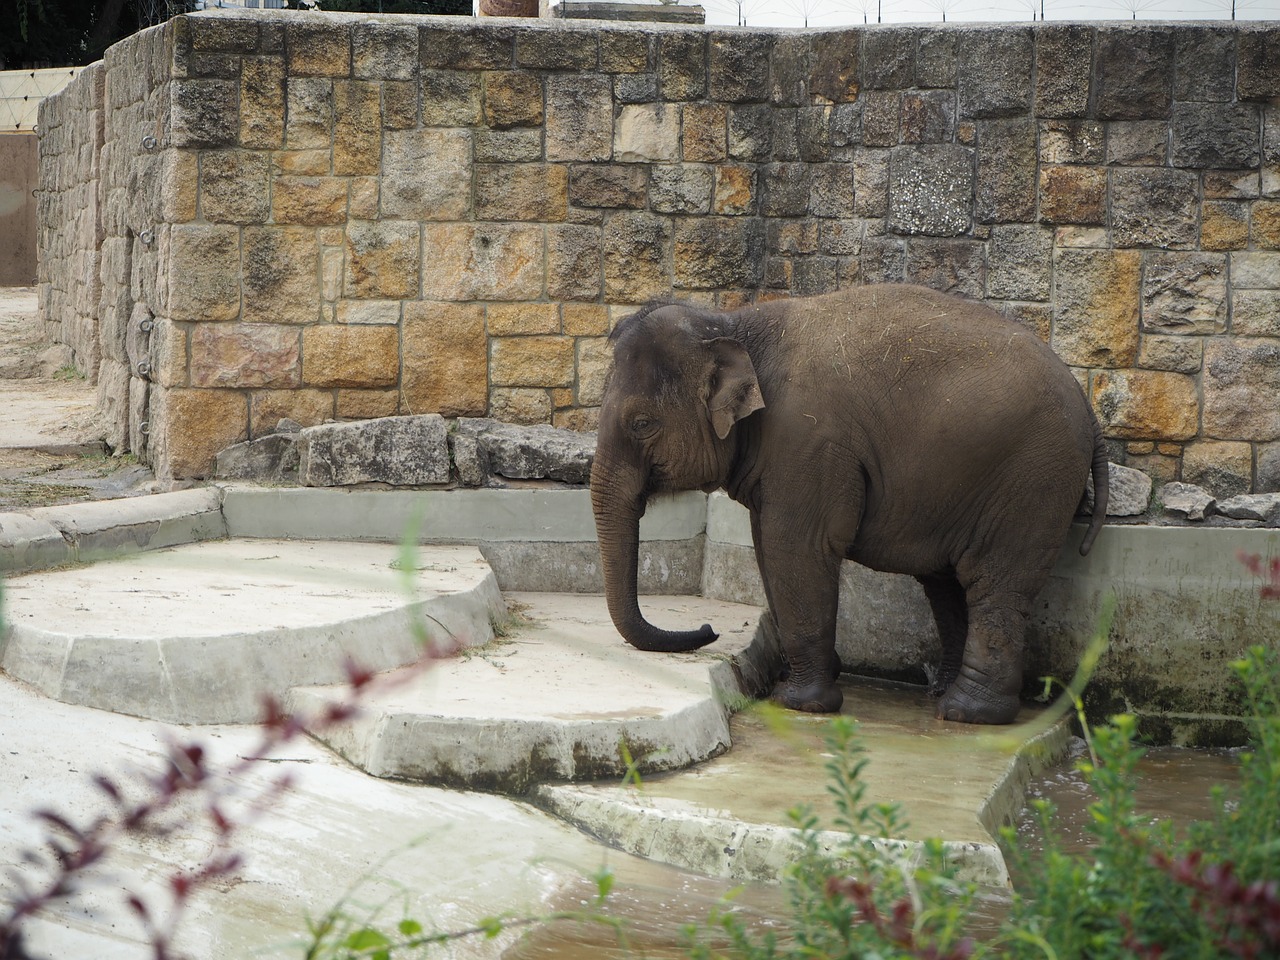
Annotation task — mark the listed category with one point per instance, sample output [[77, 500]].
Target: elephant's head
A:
[[677, 386]]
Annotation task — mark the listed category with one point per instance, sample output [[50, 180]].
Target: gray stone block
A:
[[995, 67], [402, 451], [1186, 499], [1222, 136], [485, 448], [1264, 507], [269, 459], [1134, 72], [931, 189]]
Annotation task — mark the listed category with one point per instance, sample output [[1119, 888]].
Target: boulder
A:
[[484, 449], [1128, 491], [1187, 499], [1251, 506], [269, 459], [401, 451]]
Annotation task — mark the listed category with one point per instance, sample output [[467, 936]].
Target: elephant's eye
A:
[[643, 426]]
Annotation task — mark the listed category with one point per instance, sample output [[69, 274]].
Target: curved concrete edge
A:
[[1009, 795], [735, 850], [202, 680], [45, 537]]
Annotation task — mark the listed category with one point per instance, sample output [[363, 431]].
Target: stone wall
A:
[[360, 216]]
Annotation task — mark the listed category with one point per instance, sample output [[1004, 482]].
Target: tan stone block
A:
[[531, 362], [426, 174], [233, 186], [1140, 447], [512, 98], [446, 359], [1169, 449], [331, 236], [331, 261], [167, 353], [582, 419], [350, 356], [585, 319], [734, 192], [357, 128], [594, 355], [561, 397], [382, 260], [1224, 225], [1224, 468], [306, 407], [1255, 313], [705, 133], [245, 355], [1096, 311], [262, 100], [491, 261], [318, 48], [369, 311], [189, 427], [1264, 224], [647, 132], [1146, 404], [579, 117], [365, 194], [1070, 194], [309, 200], [522, 191], [367, 404], [301, 163], [1242, 388], [179, 183], [520, 405], [204, 272], [507, 319], [450, 98], [280, 270], [399, 104], [309, 115]]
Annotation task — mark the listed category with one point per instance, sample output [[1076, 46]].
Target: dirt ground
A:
[[51, 448]]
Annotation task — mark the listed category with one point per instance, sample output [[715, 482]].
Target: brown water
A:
[[654, 902]]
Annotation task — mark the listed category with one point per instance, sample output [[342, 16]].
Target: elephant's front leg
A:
[[802, 585]]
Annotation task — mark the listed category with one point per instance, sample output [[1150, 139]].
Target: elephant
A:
[[911, 431]]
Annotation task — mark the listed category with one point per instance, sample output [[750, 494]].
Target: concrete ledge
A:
[[200, 633], [560, 697], [28, 543]]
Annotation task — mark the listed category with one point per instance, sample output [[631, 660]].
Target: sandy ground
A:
[[51, 449]]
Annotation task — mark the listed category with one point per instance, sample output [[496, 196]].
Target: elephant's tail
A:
[[1101, 489]]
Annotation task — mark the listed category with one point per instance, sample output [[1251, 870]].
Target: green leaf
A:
[[409, 928]]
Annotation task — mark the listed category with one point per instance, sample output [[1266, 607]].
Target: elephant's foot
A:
[[812, 698], [968, 702]]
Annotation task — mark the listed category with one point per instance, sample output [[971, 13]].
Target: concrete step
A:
[[200, 632], [558, 697]]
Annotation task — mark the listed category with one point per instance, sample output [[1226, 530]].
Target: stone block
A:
[[355, 404], [1071, 194], [520, 405], [936, 58], [204, 113], [994, 73], [245, 355], [1184, 292], [883, 260], [1175, 354], [445, 359], [179, 186], [262, 102], [704, 132], [531, 362], [831, 190], [682, 70], [1186, 499], [584, 319], [1224, 136], [1064, 60], [384, 51], [786, 189], [1072, 141], [1138, 143], [309, 114], [521, 319], [738, 66], [279, 275], [626, 51], [301, 163], [484, 448], [560, 49], [346, 356], [1258, 71], [647, 132], [871, 182], [357, 128], [1006, 182], [1097, 306], [953, 266], [1019, 262], [512, 98], [751, 132], [269, 459], [735, 191], [717, 252], [1224, 225], [637, 257], [1255, 313], [888, 58], [1146, 405], [881, 116], [317, 48], [573, 262], [833, 66], [508, 146], [1225, 469], [399, 104], [1255, 271], [401, 451], [1128, 492], [301, 406], [931, 190], [522, 191], [486, 261], [1204, 62], [809, 133], [472, 46], [189, 427], [1241, 383], [579, 118], [1268, 468], [1036, 317], [635, 88], [1232, 184], [309, 201], [426, 174], [166, 352], [1264, 225], [609, 185], [450, 98], [927, 117], [204, 279], [382, 260], [681, 188], [1154, 208], [1134, 72]]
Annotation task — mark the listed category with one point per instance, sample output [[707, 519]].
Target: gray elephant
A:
[[911, 431]]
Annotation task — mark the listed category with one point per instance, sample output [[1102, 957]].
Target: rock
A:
[[286, 425], [484, 448], [402, 451], [1186, 498], [269, 459], [1251, 506], [1128, 491]]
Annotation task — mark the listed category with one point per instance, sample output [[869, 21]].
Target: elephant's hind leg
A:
[[951, 614], [987, 685]]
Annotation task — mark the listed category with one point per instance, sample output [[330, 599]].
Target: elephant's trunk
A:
[[617, 513]]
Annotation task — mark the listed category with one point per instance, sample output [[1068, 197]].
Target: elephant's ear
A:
[[735, 392]]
